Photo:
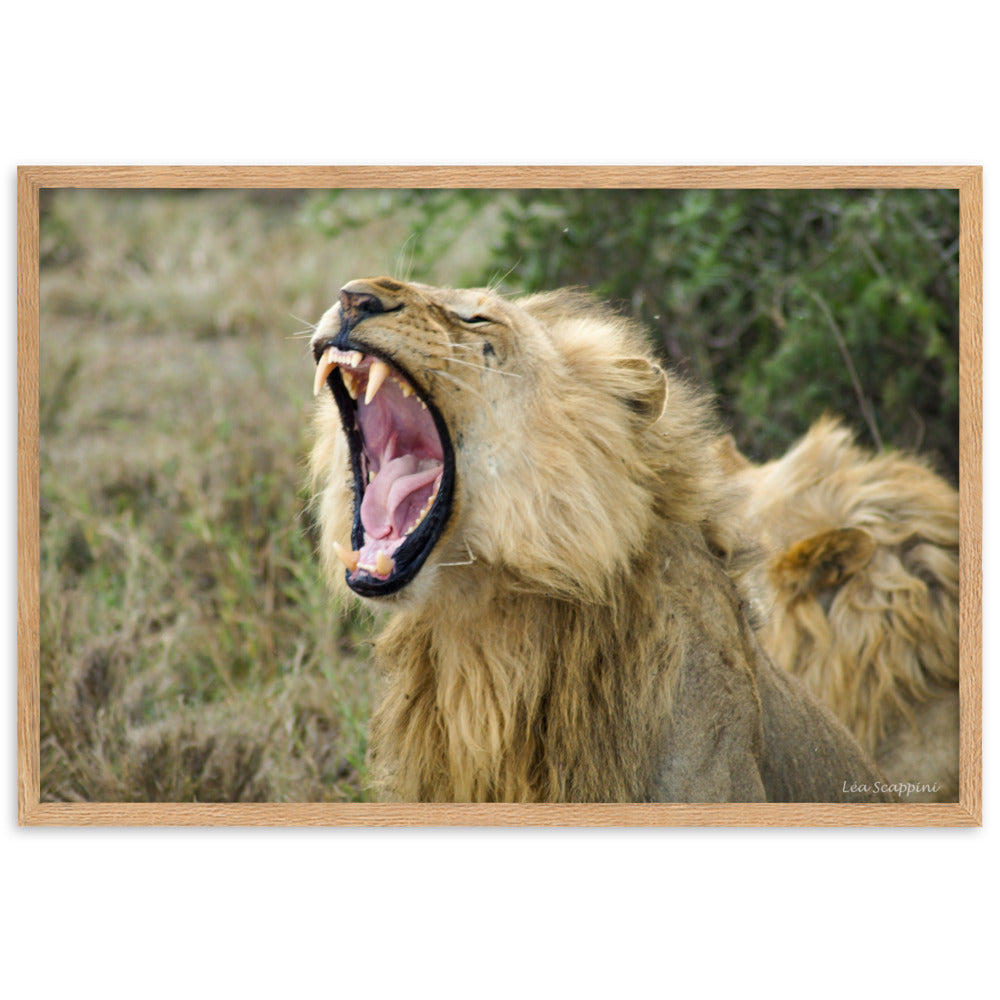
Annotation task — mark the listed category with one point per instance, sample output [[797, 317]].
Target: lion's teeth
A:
[[323, 369], [356, 358], [350, 382], [427, 506], [376, 376], [384, 565], [406, 389], [346, 556]]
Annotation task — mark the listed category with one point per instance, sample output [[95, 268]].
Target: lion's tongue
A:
[[395, 497]]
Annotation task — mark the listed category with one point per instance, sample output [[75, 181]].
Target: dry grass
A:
[[189, 650]]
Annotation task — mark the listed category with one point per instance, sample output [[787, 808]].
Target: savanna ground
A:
[[190, 651]]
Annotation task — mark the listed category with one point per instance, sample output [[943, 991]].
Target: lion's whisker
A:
[[494, 283], [467, 562], [310, 328], [405, 257], [484, 368], [454, 379]]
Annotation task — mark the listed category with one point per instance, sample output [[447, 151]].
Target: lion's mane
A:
[[860, 587]]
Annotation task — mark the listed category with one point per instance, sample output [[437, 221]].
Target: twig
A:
[[863, 402]]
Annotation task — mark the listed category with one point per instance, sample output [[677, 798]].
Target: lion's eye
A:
[[475, 320]]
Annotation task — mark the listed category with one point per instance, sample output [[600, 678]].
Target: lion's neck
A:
[[519, 697]]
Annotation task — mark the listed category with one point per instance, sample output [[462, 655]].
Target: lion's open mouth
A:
[[403, 468]]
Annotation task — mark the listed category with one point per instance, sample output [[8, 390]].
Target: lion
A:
[[541, 510], [861, 591]]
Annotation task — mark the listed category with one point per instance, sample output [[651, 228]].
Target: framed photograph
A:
[[539, 496]]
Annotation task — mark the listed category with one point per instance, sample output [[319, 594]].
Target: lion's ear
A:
[[732, 459], [824, 560], [645, 387]]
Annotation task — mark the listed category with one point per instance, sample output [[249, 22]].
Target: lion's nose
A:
[[355, 306]]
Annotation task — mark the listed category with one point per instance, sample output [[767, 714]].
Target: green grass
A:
[[189, 649]]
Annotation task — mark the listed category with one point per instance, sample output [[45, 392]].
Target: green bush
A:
[[786, 303]]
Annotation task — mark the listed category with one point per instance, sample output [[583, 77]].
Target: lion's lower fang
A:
[[346, 556]]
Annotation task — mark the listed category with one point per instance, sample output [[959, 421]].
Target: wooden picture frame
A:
[[32, 180]]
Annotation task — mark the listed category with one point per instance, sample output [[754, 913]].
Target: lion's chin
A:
[[403, 467]]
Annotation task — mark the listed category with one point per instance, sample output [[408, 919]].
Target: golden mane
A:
[[861, 590]]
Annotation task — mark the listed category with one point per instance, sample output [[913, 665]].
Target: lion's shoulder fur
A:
[[578, 634]]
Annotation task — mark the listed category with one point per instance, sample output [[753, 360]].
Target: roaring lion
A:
[[861, 594], [544, 513]]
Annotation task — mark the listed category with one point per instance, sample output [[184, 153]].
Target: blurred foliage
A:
[[786, 303]]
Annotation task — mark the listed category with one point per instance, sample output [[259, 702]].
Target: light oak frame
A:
[[966, 812]]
